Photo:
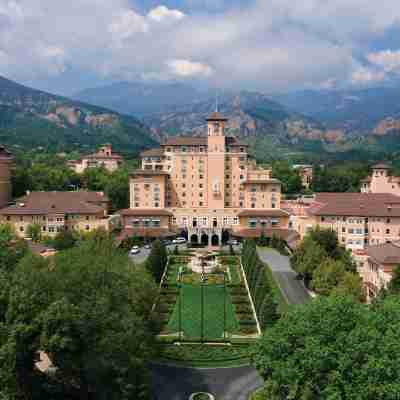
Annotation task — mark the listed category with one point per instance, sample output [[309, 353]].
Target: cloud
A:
[[162, 13], [366, 76], [255, 44], [388, 60], [126, 23], [189, 69]]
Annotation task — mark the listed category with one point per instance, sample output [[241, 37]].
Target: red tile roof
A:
[[356, 204], [43, 203], [199, 141], [263, 213], [5, 154], [145, 212], [386, 253], [152, 153], [216, 116]]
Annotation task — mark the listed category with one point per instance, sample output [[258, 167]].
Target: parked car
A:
[[233, 242], [179, 240], [147, 246], [135, 250]]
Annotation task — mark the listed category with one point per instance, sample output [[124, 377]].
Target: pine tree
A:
[[269, 312]]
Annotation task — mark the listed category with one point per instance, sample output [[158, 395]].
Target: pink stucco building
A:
[[205, 188], [104, 157], [381, 181]]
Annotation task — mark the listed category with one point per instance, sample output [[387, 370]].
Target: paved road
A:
[[178, 383], [292, 288]]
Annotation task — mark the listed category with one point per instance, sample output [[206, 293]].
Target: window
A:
[[156, 205], [200, 204], [21, 228], [156, 223], [253, 205], [387, 231], [236, 221], [252, 223], [87, 218], [87, 227], [200, 194], [8, 218], [201, 177]]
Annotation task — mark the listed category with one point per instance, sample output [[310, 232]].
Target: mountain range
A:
[[134, 116], [319, 121], [31, 118]]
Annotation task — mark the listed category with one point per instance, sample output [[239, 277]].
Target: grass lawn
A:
[[213, 313]]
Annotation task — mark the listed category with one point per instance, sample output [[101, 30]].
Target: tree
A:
[[290, 178], [327, 276], [351, 285], [263, 240], [268, 312], [307, 257], [90, 314], [12, 249], [394, 284], [64, 240], [157, 260], [34, 231], [332, 348]]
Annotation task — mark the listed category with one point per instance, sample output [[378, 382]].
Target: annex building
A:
[[206, 189]]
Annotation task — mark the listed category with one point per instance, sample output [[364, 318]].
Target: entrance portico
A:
[[205, 236]]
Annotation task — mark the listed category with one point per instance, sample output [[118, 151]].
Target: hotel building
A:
[[381, 181], [57, 211], [104, 157], [205, 188]]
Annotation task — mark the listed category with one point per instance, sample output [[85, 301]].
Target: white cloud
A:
[[189, 69], [162, 13], [261, 45], [366, 76], [388, 60], [126, 24]]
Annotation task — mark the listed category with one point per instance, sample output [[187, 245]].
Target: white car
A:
[[179, 240], [233, 242], [135, 250]]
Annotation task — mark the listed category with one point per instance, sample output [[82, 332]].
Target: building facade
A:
[[381, 181], [104, 157], [6, 166], [208, 187], [57, 211]]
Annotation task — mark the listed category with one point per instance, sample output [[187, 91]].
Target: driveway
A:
[[178, 383], [292, 288]]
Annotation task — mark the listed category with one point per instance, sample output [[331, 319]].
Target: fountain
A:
[[203, 263]]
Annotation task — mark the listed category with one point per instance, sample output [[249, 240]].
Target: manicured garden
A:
[[209, 323]]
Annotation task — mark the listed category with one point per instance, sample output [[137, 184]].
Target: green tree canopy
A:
[[89, 311], [332, 348]]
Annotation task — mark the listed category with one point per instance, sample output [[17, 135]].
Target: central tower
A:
[[216, 160]]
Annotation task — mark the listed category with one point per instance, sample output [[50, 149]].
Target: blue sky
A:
[[264, 45]]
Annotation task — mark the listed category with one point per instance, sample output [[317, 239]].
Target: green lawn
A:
[[213, 326]]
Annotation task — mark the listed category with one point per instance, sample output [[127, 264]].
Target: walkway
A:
[[292, 288], [178, 383]]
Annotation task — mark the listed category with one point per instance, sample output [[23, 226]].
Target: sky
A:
[[263, 45]]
